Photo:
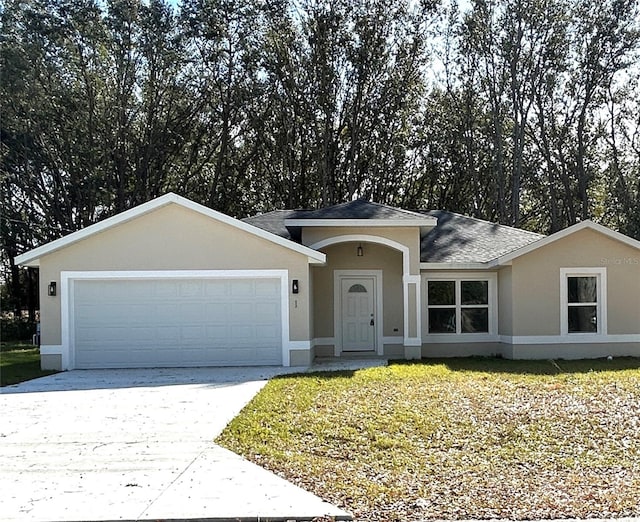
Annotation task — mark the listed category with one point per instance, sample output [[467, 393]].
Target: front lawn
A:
[[20, 362], [455, 439]]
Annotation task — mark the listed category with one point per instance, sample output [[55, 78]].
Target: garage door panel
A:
[[241, 311], [191, 312], [96, 313], [165, 289], [216, 311], [267, 312], [168, 333], [165, 309], [172, 322], [190, 289], [241, 288], [240, 333], [216, 288], [217, 333], [267, 288], [268, 332]]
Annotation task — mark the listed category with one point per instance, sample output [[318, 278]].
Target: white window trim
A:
[[600, 273], [491, 278]]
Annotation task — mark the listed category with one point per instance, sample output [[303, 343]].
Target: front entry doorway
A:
[[358, 304]]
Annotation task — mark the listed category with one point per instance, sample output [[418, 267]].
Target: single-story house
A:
[[173, 283]]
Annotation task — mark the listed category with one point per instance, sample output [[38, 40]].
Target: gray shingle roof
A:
[[462, 239], [274, 222], [358, 209], [455, 239]]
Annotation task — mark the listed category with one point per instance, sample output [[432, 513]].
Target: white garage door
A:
[[133, 323]]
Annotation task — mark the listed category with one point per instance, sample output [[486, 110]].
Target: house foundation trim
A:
[[570, 339]]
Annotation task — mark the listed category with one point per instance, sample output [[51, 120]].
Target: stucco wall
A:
[[536, 283], [343, 257], [173, 238]]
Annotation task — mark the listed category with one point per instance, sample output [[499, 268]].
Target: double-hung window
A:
[[583, 301], [461, 305]]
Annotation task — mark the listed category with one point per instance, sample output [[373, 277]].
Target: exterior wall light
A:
[[294, 287], [51, 289], [359, 251]]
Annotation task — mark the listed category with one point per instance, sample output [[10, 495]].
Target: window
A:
[[460, 306], [583, 300]]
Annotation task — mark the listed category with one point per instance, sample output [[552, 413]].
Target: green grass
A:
[[455, 439], [19, 362]]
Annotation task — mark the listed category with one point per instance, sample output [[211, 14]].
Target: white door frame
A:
[[338, 276]]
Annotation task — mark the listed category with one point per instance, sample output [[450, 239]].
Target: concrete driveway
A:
[[137, 445]]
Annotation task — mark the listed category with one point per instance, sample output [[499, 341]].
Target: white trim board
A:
[[570, 339], [32, 257], [330, 341], [299, 345], [491, 277], [50, 349], [365, 238], [466, 338], [601, 305], [414, 280], [68, 278]]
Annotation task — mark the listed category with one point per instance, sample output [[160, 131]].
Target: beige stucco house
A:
[[173, 283]]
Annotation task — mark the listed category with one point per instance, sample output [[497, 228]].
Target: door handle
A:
[[371, 323]]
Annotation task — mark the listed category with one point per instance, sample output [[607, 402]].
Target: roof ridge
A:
[[397, 209]]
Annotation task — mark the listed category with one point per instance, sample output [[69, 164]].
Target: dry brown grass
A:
[[460, 439]]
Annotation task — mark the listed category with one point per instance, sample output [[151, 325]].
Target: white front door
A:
[[358, 314]]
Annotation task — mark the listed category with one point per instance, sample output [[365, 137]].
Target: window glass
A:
[[442, 320], [583, 319], [582, 289], [475, 320], [442, 293], [458, 306], [475, 292], [357, 289]]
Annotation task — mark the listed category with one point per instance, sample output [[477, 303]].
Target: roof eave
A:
[[32, 257], [454, 265], [506, 259]]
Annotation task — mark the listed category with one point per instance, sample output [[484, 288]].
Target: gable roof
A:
[[455, 239], [463, 239], [32, 257], [546, 240], [359, 213]]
